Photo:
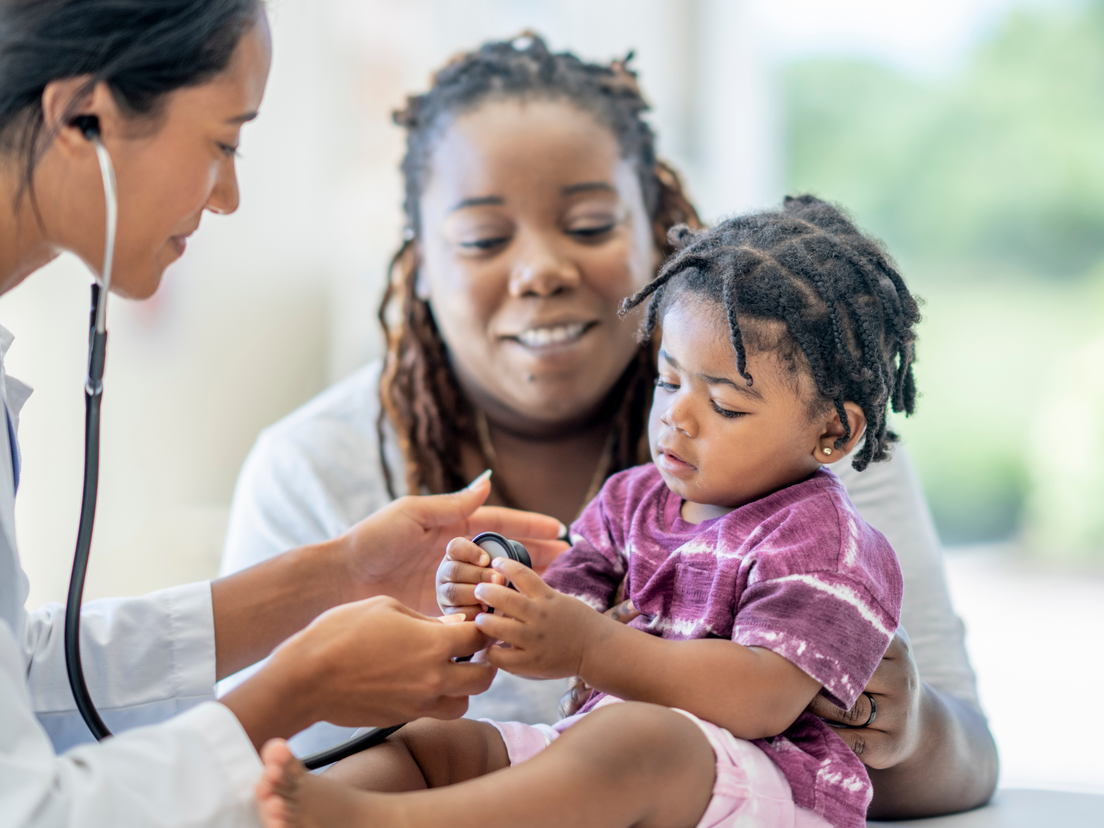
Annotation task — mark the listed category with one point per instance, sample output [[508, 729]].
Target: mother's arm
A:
[[929, 749]]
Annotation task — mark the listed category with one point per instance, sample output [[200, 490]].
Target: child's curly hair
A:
[[847, 312]]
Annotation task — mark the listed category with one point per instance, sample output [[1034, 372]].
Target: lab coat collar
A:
[[14, 392]]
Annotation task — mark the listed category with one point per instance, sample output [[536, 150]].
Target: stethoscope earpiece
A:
[[89, 125]]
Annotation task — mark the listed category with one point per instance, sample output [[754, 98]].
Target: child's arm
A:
[[751, 692]]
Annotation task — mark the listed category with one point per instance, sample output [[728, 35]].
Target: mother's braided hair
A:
[[846, 310], [419, 394]]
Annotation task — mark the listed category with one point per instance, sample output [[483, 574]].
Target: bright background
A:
[[969, 134]]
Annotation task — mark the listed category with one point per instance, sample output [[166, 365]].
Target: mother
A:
[[535, 203]]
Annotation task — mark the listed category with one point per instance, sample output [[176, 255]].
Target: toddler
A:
[[785, 337]]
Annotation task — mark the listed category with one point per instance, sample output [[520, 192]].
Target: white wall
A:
[[275, 302]]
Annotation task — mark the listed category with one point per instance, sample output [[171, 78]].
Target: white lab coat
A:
[[181, 759]]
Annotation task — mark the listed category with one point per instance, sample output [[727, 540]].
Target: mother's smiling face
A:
[[533, 229]]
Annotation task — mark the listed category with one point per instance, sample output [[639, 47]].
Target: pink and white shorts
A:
[[749, 792]]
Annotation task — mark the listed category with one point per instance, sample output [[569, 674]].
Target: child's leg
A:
[[427, 753], [625, 765]]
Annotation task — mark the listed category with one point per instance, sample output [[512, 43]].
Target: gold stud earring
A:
[[827, 450]]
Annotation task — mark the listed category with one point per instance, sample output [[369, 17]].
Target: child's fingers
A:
[[463, 550], [510, 659], [465, 573], [459, 598], [527, 581], [508, 630], [505, 600]]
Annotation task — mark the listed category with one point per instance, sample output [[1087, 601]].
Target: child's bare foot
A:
[[289, 797]]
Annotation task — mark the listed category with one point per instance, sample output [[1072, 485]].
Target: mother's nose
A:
[[540, 271]]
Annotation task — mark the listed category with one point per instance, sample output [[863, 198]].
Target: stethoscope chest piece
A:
[[499, 547]]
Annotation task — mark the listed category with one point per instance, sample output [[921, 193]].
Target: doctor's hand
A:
[[396, 550], [372, 662]]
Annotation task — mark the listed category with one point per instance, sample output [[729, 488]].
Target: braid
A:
[[419, 395], [847, 313]]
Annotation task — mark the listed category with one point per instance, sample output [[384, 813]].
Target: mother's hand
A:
[[895, 732], [396, 550]]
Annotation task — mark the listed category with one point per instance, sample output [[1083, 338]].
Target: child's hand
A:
[[464, 566], [544, 633]]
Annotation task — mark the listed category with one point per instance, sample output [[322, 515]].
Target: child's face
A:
[[718, 443]]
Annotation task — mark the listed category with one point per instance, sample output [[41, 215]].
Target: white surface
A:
[[1018, 808], [1034, 637]]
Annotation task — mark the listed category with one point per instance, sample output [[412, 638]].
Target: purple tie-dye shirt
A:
[[797, 572]]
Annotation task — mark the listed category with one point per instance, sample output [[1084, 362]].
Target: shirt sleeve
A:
[[145, 659], [197, 769], [596, 564], [825, 599], [889, 496]]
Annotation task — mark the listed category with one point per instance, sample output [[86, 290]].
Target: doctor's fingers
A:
[[515, 524]]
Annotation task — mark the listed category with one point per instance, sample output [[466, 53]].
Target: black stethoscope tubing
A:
[[496, 545]]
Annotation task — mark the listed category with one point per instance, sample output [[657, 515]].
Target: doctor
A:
[[170, 83]]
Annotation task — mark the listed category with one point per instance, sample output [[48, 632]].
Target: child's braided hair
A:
[[846, 310], [419, 394]]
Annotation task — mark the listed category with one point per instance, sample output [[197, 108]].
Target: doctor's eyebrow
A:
[[245, 117], [743, 389]]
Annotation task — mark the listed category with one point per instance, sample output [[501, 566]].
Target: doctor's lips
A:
[[540, 337], [180, 243]]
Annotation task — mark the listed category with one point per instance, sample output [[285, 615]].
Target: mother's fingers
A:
[[875, 748], [856, 716]]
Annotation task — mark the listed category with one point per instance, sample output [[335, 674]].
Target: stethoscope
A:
[[495, 545]]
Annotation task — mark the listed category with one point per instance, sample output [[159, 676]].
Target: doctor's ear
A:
[[72, 112], [828, 450]]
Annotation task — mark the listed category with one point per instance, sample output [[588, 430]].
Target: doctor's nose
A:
[[225, 196]]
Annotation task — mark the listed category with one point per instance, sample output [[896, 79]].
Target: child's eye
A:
[[229, 150], [724, 412], [666, 386]]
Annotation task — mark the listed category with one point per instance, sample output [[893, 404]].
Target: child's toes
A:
[[279, 782]]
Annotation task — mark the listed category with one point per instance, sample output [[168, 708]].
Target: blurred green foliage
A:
[[988, 187]]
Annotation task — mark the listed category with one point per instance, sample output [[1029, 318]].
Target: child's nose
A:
[[679, 415]]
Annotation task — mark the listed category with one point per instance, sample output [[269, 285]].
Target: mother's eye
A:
[[592, 232], [484, 244]]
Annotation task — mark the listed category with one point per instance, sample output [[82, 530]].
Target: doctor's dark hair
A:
[[419, 394], [849, 318], [142, 49]]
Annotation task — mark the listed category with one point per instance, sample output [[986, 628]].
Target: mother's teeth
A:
[[536, 337]]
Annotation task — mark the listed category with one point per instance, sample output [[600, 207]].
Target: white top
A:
[[146, 660], [317, 472]]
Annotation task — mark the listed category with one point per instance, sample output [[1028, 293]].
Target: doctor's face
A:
[[171, 172], [533, 229]]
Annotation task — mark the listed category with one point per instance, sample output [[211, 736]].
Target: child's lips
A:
[[671, 462]]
